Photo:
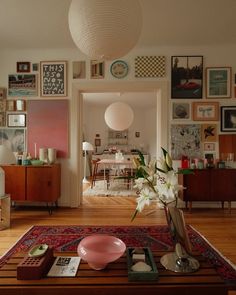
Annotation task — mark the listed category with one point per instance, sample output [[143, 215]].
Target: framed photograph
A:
[[23, 67], [228, 119], [97, 141], [3, 105], [22, 85], [10, 105], [97, 69], [35, 67], [180, 110], [16, 120], [186, 76], [20, 105], [2, 119], [209, 146], [205, 111], [3, 92], [13, 138], [53, 78], [209, 132], [79, 69], [218, 82]]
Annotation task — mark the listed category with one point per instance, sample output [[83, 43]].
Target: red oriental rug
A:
[[67, 238]]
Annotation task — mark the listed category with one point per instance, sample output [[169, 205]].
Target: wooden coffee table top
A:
[[113, 280]]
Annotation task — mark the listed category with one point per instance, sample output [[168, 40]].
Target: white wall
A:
[[213, 56]]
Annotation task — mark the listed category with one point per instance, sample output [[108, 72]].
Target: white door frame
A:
[[76, 122]]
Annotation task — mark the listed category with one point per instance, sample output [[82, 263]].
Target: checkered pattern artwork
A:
[[150, 66]]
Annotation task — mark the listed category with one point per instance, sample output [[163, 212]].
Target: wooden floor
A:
[[217, 225]]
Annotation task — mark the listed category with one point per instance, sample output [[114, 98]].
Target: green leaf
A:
[[134, 215]]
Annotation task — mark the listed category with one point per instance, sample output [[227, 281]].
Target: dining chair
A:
[[99, 174]]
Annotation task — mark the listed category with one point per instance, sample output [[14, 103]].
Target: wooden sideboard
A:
[[209, 185], [33, 183]]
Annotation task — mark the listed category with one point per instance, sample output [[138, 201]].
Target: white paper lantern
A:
[[119, 116], [105, 29]]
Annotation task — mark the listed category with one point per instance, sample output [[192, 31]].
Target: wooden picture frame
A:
[[2, 119], [186, 76], [218, 82], [23, 67], [181, 110], [209, 132], [205, 111], [3, 105], [53, 78], [228, 119], [97, 69], [20, 105], [3, 92], [10, 105], [22, 85], [209, 146], [16, 120]]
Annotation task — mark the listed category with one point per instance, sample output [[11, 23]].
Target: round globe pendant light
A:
[[119, 116], [105, 29]]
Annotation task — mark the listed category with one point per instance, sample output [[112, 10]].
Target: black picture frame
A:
[[228, 119], [186, 76]]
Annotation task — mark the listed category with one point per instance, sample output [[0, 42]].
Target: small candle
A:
[[35, 151]]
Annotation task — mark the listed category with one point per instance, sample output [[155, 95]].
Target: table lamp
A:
[[86, 147]]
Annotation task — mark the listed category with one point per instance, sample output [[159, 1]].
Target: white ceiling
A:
[[43, 23]]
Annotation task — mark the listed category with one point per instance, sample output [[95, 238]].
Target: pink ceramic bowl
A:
[[98, 250]]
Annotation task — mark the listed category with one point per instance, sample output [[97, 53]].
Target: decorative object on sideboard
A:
[[86, 147], [105, 29], [119, 116]]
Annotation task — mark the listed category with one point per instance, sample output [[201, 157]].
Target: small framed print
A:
[[2, 119], [23, 67], [79, 69], [3, 105], [20, 105], [97, 69], [3, 92], [218, 82], [205, 111], [228, 119], [209, 132], [180, 110], [209, 146], [97, 142], [16, 120], [35, 67], [10, 105]]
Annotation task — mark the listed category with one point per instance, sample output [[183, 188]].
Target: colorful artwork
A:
[[22, 85], [185, 141], [48, 126]]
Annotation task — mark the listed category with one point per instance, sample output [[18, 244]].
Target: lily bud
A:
[[168, 160]]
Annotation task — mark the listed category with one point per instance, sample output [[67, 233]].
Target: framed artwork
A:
[[209, 146], [16, 120], [218, 82], [205, 111], [3, 105], [180, 110], [35, 67], [97, 69], [13, 138], [228, 119], [150, 66], [185, 141], [53, 78], [20, 105], [2, 119], [79, 69], [3, 93], [10, 105], [186, 76], [97, 141], [22, 85], [23, 67], [209, 132], [119, 69]]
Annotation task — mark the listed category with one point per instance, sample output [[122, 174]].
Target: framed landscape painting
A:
[[186, 76]]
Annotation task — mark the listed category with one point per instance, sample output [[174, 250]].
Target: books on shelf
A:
[[64, 266]]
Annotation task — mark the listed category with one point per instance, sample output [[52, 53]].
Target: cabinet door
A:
[[40, 184], [15, 181], [223, 185], [197, 186]]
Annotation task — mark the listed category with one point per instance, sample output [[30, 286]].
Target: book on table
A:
[[64, 266]]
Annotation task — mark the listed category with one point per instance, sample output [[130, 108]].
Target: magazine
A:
[[64, 266]]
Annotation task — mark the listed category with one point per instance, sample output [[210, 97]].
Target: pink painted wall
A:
[[47, 126]]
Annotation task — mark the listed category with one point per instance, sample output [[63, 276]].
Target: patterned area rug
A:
[[116, 188], [67, 238]]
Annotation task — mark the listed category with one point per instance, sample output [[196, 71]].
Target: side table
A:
[[5, 211]]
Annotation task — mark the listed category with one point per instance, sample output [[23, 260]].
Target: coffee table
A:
[[113, 280]]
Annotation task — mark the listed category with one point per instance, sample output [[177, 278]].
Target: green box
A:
[[142, 275]]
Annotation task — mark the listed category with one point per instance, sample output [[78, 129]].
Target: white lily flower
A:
[[145, 196]]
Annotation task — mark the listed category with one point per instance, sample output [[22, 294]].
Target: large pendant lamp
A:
[[105, 29], [119, 116]]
